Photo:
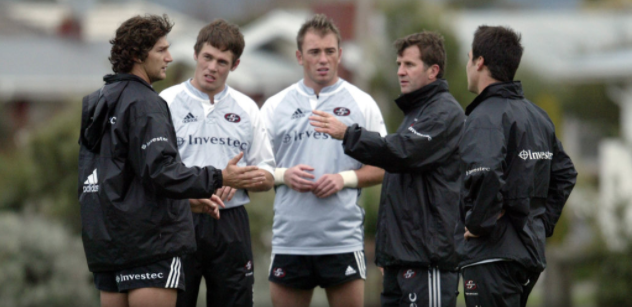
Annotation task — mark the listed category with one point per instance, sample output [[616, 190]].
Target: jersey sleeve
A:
[[374, 119], [260, 152], [371, 112]]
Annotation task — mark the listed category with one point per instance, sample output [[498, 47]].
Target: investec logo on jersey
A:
[[201, 140], [536, 155], [299, 136]]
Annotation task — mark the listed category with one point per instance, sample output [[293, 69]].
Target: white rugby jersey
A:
[[303, 223], [212, 134]]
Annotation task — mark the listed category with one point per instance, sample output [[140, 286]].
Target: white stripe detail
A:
[[438, 288], [429, 287], [175, 274], [363, 262], [360, 262], [483, 262], [173, 262], [434, 286], [271, 262], [176, 279]]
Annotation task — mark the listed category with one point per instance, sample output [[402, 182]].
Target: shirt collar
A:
[[328, 89], [201, 95]]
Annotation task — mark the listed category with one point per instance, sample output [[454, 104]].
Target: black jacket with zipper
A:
[[511, 161], [132, 184], [420, 191]]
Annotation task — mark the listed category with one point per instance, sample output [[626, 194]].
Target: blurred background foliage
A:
[[40, 243]]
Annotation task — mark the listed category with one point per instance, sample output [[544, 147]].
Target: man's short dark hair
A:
[[319, 23], [430, 46], [222, 35], [135, 38], [500, 48]]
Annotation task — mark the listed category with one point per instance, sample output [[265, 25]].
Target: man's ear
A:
[[136, 60], [339, 55], [237, 61], [299, 57], [480, 62], [434, 71]]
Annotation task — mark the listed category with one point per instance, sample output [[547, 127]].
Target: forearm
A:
[[175, 180], [265, 185], [369, 175], [398, 152]]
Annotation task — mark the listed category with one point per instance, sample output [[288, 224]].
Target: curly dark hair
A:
[[135, 38]]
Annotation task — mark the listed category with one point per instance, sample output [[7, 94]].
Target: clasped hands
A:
[[299, 177]]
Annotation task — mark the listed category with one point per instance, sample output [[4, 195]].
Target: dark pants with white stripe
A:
[[166, 273], [498, 284], [223, 258], [419, 286]]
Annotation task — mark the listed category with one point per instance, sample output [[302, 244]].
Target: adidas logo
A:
[[298, 114], [189, 118], [92, 184], [350, 271]]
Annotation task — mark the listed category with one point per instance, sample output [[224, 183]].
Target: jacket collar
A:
[[109, 79], [511, 89], [412, 100]]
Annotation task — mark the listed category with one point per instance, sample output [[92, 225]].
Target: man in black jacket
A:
[[516, 177], [136, 222], [420, 192]]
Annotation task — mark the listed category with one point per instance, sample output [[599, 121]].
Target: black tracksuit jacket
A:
[[512, 161], [420, 192], [132, 184]]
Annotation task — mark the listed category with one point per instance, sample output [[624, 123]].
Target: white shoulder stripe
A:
[[369, 108], [245, 102], [274, 101], [170, 93], [358, 95]]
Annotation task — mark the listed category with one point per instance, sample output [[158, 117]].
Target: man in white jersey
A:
[[318, 225], [213, 123]]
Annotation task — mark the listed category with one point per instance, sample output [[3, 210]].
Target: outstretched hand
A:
[[207, 205], [241, 177], [327, 123], [226, 193]]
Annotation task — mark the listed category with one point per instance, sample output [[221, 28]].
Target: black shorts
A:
[[223, 258], [502, 283], [162, 274], [419, 286], [309, 271]]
